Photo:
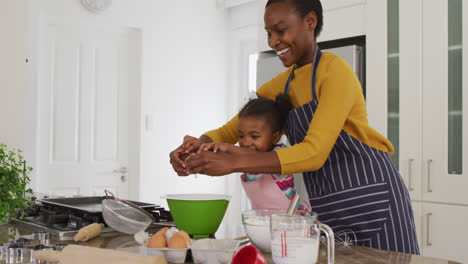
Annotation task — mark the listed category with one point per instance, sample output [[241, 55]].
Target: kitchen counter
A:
[[343, 254]]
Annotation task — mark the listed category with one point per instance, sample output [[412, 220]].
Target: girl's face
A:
[[256, 134], [290, 35]]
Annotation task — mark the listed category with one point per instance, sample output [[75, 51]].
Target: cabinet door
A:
[[444, 118], [404, 93], [444, 231], [405, 90]]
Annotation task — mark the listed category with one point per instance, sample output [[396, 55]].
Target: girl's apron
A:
[[358, 191], [264, 193]]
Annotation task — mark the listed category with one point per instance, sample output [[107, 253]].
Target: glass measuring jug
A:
[[296, 239]]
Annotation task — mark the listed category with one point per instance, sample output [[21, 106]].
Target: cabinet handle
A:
[[410, 169], [428, 241], [429, 162]]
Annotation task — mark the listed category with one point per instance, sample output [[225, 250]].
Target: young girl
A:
[[261, 124]]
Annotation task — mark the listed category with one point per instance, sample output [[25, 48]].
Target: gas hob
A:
[[63, 217]]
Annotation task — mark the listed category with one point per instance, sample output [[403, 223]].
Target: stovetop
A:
[[63, 223]]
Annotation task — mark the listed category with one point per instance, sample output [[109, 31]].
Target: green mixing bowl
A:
[[198, 214]]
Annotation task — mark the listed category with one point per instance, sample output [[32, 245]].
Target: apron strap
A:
[[315, 63], [317, 56], [286, 86]]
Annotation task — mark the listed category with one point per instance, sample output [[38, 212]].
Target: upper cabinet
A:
[[444, 118], [425, 113]]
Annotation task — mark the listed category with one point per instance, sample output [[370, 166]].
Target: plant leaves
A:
[[14, 180]]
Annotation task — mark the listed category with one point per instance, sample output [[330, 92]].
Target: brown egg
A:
[[157, 241], [184, 235], [163, 231], [177, 241]]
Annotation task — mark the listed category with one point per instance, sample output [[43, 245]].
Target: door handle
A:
[[123, 169]]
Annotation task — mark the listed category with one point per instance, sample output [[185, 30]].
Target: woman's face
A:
[[256, 134], [290, 35]]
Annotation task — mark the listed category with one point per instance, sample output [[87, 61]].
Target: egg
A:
[[184, 235], [142, 237], [170, 233], [177, 241], [157, 241], [163, 231]]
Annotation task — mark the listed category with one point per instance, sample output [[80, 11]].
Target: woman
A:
[[351, 181]]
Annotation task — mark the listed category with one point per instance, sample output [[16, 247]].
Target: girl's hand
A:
[[190, 144], [215, 147]]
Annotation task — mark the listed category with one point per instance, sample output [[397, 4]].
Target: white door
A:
[[85, 120]]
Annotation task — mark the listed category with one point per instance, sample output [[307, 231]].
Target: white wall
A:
[[242, 28], [13, 26], [183, 89]]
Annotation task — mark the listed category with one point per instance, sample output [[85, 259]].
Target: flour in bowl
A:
[[258, 231]]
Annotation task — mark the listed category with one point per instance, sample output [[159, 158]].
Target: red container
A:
[[248, 255]]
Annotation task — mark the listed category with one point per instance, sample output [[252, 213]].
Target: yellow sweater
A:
[[341, 107]]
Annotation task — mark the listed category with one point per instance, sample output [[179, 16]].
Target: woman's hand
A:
[[179, 156], [242, 160], [211, 163], [177, 160]]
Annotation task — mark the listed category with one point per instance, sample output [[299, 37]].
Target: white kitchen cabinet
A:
[[445, 234], [426, 118], [445, 151]]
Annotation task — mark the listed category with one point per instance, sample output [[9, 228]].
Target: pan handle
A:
[[111, 194]]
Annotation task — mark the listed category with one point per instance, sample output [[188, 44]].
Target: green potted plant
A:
[[14, 179]]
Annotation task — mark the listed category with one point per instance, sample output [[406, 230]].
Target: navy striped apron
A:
[[358, 192]]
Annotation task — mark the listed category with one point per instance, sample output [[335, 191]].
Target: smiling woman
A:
[[351, 181]]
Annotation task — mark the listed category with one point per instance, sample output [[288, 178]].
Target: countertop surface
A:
[[343, 253]]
